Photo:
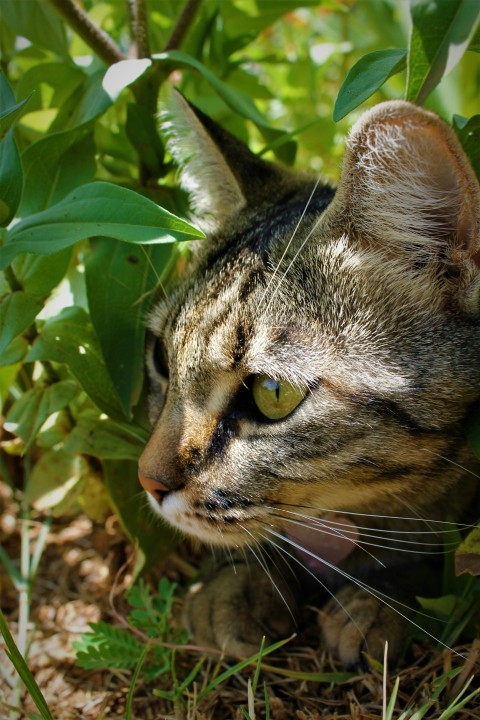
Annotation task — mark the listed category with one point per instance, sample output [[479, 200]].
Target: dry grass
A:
[[74, 587]]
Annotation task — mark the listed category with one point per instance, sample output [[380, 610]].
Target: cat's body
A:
[[354, 315]]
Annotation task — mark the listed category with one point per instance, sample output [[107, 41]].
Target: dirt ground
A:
[[83, 576]]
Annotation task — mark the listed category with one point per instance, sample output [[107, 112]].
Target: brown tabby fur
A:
[[367, 298]]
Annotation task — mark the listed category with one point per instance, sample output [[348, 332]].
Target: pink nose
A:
[[152, 486]]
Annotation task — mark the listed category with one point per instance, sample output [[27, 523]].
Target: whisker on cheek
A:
[[386, 600]]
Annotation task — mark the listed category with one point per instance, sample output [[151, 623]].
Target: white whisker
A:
[[317, 527], [282, 278], [284, 551], [289, 242], [265, 568], [462, 526], [452, 462], [382, 597]]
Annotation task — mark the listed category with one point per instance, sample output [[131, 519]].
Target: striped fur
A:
[[366, 298]]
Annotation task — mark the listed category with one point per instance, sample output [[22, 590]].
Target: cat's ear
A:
[[407, 187], [219, 172]]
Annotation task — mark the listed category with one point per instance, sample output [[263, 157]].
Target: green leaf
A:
[[142, 132], [366, 77], [84, 105], [15, 352], [98, 208], [235, 99], [39, 275], [105, 439], [9, 110], [56, 480], [441, 33], [468, 132], [107, 647], [467, 555], [69, 338], [17, 311], [119, 278], [37, 21], [8, 375], [154, 539], [63, 78], [7, 97], [29, 412], [55, 166], [442, 606], [11, 178], [23, 670]]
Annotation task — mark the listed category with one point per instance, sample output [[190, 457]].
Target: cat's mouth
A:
[[216, 520]]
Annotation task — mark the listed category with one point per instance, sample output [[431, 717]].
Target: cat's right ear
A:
[[408, 190], [219, 172]]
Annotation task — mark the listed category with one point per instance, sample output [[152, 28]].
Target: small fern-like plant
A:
[[150, 622]]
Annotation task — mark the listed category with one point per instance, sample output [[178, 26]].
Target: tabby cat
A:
[[311, 376]]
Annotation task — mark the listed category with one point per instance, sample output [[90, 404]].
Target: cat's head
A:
[[323, 350]]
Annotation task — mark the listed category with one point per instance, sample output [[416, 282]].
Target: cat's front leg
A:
[[355, 623], [238, 605]]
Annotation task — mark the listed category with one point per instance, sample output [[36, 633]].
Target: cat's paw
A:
[[235, 608], [354, 622]]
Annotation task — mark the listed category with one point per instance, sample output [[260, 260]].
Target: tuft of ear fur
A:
[[220, 173], [214, 192], [408, 189]]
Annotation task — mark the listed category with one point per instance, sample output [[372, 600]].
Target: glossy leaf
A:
[[119, 277], [10, 110], [95, 209], [17, 311], [366, 77], [37, 21], [69, 338], [62, 78], [11, 178], [441, 33], [56, 481], [15, 351], [88, 102], [38, 275], [29, 412], [105, 439], [56, 165]]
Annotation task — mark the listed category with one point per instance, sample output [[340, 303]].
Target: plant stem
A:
[[137, 11], [98, 40], [183, 23], [11, 279]]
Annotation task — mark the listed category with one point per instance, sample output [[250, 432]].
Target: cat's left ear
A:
[[221, 175], [407, 188]]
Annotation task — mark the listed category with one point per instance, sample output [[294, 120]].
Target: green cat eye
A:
[[275, 399]]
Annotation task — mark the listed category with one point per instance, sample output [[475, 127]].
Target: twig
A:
[[137, 11], [183, 23], [98, 40]]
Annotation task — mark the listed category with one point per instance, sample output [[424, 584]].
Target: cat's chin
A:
[[176, 511]]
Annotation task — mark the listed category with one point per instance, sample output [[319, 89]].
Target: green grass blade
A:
[[392, 701], [136, 673], [23, 670]]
